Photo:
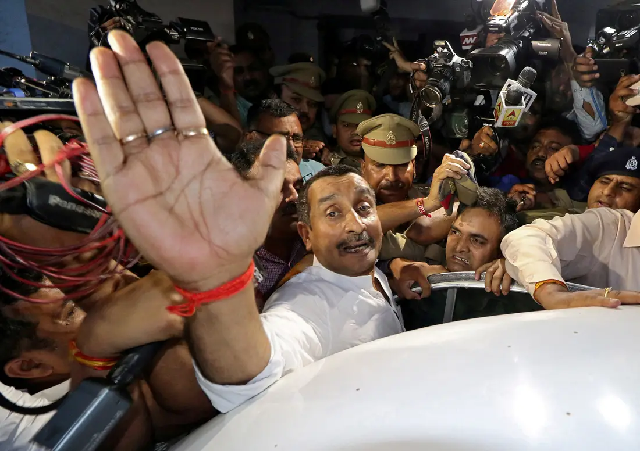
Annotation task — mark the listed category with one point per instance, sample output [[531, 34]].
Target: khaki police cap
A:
[[389, 139], [353, 107], [302, 78]]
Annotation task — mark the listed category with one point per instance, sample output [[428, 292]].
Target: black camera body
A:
[[525, 39], [146, 27], [448, 72], [446, 103], [617, 43]]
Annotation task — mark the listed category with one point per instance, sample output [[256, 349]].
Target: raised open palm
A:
[[177, 198]]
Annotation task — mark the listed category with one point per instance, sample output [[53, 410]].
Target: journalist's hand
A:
[[524, 195], [404, 65], [483, 143], [221, 60], [496, 278], [559, 30], [179, 200], [451, 167], [620, 111], [558, 164], [584, 69]]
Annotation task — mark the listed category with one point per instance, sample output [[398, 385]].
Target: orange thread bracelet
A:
[[421, 209], [95, 363], [229, 289], [546, 282]]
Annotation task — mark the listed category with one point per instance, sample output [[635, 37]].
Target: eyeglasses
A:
[[296, 138]]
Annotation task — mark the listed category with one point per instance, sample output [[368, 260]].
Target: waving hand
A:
[[176, 196]]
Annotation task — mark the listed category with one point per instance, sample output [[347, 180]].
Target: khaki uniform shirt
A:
[[395, 244], [599, 248], [338, 156]]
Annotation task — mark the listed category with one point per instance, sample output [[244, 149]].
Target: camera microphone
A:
[[49, 66]]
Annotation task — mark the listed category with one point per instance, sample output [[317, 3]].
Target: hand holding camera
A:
[[221, 60], [584, 69], [559, 30], [619, 102]]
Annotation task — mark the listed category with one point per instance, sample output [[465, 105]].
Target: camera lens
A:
[[431, 103], [498, 65]]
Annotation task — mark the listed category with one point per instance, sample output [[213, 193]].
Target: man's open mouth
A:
[[354, 248], [538, 162], [356, 142], [461, 260]]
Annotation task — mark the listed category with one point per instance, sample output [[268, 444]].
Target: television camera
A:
[[146, 27], [524, 39]]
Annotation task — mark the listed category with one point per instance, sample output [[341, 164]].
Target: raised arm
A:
[[178, 199]]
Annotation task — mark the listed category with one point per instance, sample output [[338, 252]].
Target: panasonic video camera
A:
[[525, 39], [617, 42], [146, 27]]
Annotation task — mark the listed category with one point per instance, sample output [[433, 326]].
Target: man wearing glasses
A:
[[274, 116]]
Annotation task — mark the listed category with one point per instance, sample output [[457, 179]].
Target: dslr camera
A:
[[525, 39], [146, 27], [447, 73]]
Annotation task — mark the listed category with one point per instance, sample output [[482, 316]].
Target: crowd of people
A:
[[285, 215]]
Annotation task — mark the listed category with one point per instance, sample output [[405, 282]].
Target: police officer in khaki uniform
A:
[[348, 112], [388, 166], [300, 87]]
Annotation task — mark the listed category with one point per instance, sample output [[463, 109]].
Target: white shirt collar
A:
[[355, 283]]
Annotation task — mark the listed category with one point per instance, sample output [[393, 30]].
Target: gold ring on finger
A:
[[607, 291], [131, 138], [189, 132]]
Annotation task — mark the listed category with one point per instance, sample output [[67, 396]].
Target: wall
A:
[[14, 34], [298, 32], [59, 27]]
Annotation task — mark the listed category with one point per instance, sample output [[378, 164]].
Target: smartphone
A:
[[635, 100], [611, 70]]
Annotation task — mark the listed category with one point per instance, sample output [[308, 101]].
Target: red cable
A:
[[107, 237]]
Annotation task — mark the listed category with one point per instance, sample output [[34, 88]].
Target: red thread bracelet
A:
[[194, 300], [421, 209]]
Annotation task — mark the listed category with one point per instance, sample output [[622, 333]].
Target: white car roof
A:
[[551, 380]]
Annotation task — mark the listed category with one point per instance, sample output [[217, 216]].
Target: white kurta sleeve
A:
[[563, 248], [299, 333]]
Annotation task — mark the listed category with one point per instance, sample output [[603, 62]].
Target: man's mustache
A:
[[363, 237], [303, 116], [392, 186]]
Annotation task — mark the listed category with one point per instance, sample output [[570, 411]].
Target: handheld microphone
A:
[[509, 108], [525, 80]]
